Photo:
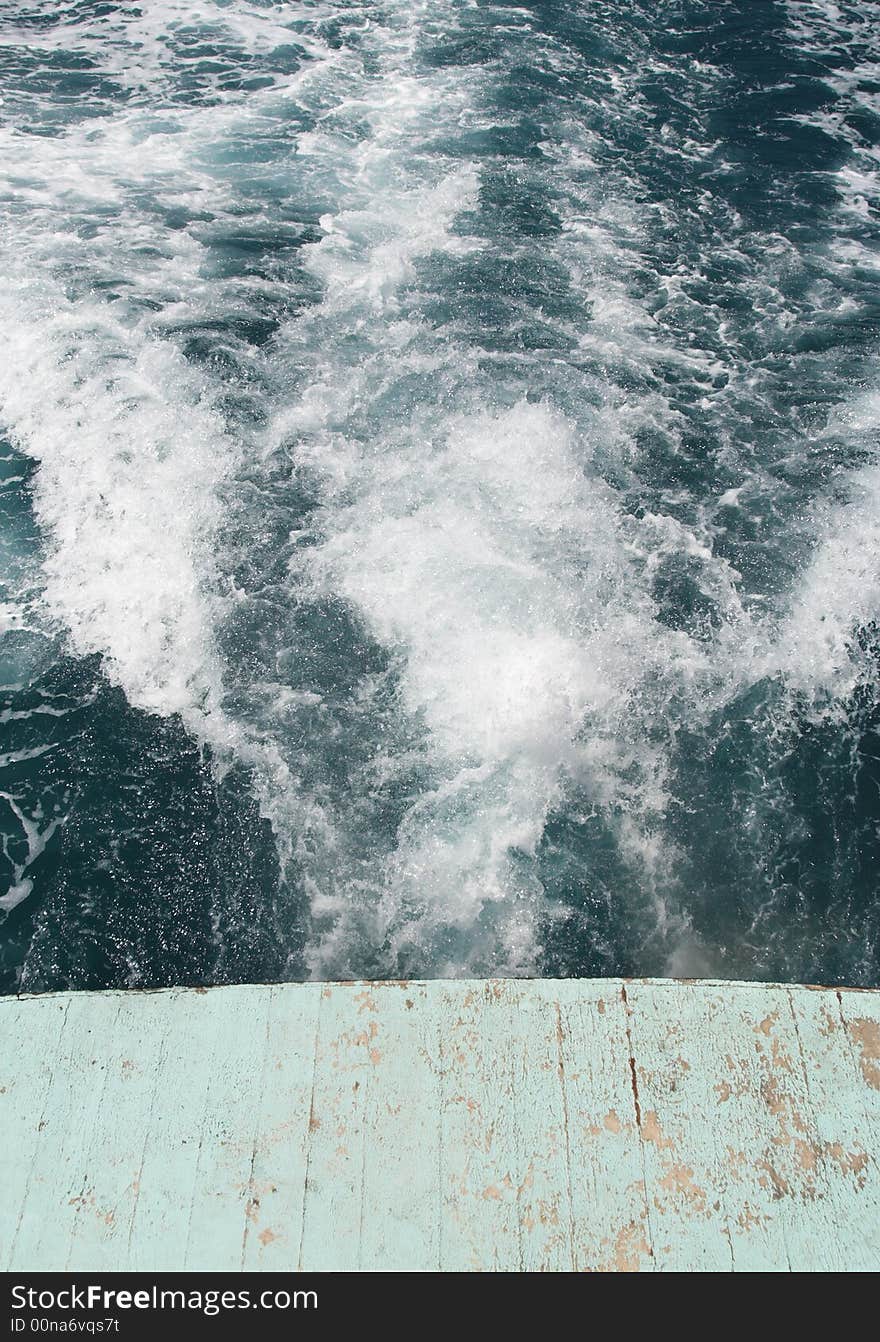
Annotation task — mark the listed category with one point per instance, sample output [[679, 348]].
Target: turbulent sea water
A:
[[440, 489]]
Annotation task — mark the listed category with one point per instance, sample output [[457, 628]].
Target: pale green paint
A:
[[586, 1125]]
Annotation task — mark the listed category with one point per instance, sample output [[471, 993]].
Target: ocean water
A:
[[440, 489]]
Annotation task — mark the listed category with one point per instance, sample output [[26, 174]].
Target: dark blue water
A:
[[441, 504]]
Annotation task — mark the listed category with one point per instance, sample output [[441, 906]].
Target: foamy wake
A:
[[473, 538], [818, 650], [480, 547], [131, 459]]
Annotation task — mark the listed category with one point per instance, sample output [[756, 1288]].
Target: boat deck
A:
[[600, 1125]]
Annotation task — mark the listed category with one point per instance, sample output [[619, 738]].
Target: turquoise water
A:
[[441, 504]]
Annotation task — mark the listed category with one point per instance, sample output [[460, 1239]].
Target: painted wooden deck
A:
[[577, 1125]]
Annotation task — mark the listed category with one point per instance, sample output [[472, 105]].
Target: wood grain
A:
[[501, 1125]]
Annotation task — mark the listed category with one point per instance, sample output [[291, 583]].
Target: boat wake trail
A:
[[457, 425]]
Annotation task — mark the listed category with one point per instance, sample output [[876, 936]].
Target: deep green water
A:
[[441, 506]]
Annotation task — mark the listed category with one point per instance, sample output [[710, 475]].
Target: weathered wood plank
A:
[[754, 1145], [232, 1061], [277, 1186], [505, 1196], [486, 1125], [836, 1157], [29, 1045], [61, 1186], [372, 1197], [709, 1086], [611, 1221], [128, 1057], [173, 1134]]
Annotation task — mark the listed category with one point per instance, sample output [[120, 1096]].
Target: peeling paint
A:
[[603, 1126], [866, 1034]]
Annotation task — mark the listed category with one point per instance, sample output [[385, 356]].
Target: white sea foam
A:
[[130, 460], [501, 571], [838, 594], [473, 537], [169, 49], [36, 839], [484, 549], [131, 449]]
